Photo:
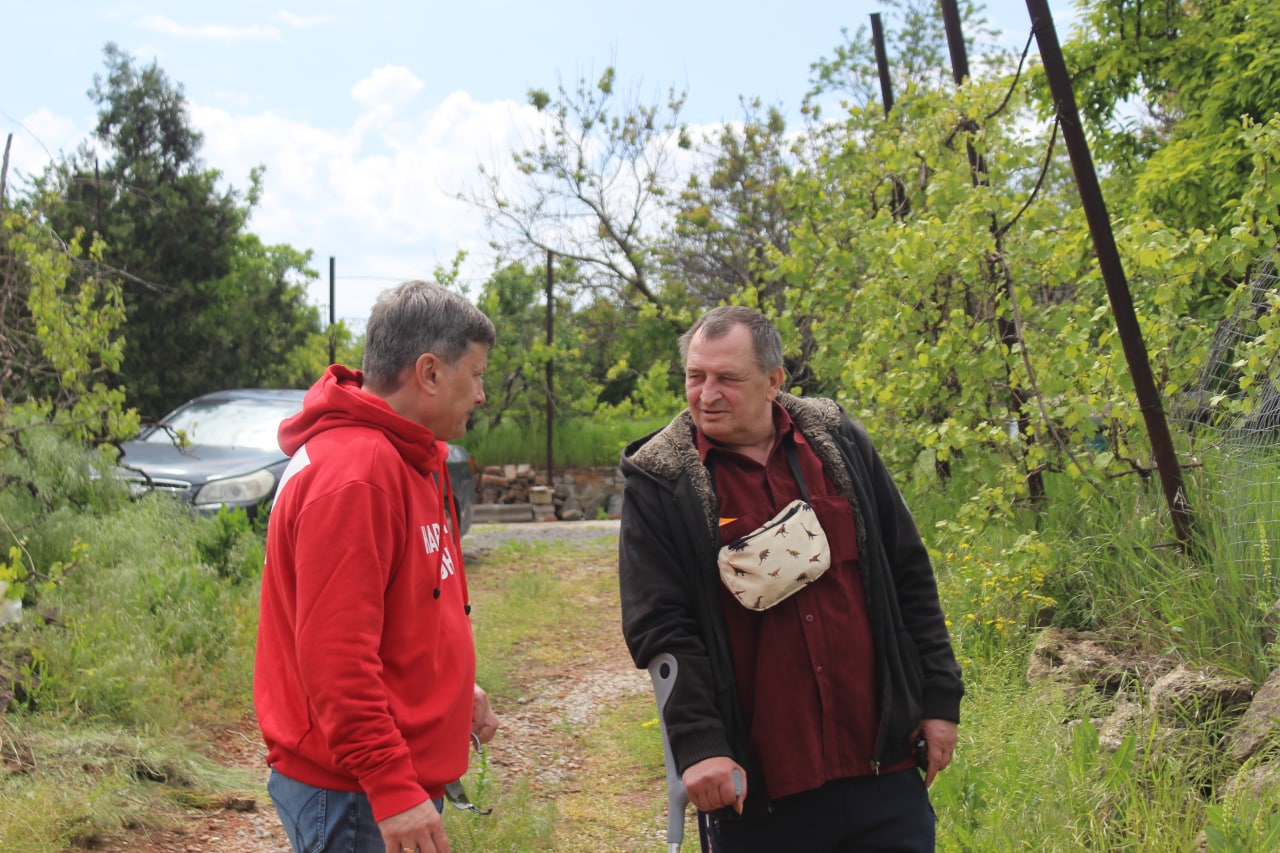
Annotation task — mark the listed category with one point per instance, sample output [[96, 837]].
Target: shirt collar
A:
[[782, 426]]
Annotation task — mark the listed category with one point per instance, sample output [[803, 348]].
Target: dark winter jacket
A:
[[670, 598]]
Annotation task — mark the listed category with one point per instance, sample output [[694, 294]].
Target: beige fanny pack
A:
[[780, 557]]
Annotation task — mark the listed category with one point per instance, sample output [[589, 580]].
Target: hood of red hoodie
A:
[[338, 400]]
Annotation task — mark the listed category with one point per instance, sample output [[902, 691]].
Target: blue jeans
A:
[[859, 815], [321, 820]]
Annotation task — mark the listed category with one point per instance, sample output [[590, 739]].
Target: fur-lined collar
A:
[[673, 450]]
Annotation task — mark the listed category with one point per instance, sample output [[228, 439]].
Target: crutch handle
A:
[[663, 670]]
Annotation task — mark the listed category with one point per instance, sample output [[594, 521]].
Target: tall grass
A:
[[149, 634], [69, 780], [580, 442], [141, 637], [1031, 771]]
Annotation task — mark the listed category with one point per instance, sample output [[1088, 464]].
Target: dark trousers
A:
[[866, 814]]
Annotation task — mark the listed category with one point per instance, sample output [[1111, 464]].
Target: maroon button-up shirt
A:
[[805, 668]]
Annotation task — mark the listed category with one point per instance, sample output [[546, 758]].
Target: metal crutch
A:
[[662, 669], [457, 795]]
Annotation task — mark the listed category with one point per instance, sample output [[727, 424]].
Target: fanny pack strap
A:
[[793, 459]]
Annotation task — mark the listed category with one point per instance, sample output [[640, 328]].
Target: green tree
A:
[[1165, 89], [59, 342], [731, 224], [591, 187], [259, 323], [514, 297], [60, 319], [631, 354], [730, 218], [204, 300], [1181, 100], [912, 310], [733, 221]]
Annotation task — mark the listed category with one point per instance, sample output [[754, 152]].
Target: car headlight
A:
[[236, 490]]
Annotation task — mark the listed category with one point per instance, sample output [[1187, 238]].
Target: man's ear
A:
[[426, 372], [776, 376]]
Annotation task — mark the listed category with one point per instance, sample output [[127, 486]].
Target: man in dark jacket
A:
[[815, 670]]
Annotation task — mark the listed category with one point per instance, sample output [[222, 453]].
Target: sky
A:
[[371, 116]]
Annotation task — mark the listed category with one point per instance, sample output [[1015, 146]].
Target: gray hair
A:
[[418, 317], [718, 322]]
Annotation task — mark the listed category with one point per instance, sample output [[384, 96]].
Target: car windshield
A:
[[228, 423]]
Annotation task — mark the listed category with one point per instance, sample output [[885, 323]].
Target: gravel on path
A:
[[493, 534]]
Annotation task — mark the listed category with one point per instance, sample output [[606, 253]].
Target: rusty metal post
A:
[[960, 73], [1112, 270]]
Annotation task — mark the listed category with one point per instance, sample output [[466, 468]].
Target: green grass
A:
[[582, 442], [119, 665], [539, 611], [1031, 774]]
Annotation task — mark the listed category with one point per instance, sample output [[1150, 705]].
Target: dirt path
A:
[[556, 703]]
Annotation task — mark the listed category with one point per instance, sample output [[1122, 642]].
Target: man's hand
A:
[[420, 828], [484, 723], [941, 737], [711, 784]]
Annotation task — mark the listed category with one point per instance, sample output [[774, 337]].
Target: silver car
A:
[[220, 450]]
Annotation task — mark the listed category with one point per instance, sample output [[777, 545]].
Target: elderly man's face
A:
[[729, 396]]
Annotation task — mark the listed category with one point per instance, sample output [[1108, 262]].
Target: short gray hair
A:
[[418, 317], [718, 322]]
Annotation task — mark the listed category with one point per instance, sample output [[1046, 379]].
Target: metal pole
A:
[[882, 62], [955, 40], [550, 372], [1095, 209], [900, 206], [4, 169], [978, 172], [332, 312], [960, 73]]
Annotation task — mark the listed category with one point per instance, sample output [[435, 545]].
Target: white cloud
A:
[[379, 196], [49, 132], [40, 139], [213, 32], [303, 22], [389, 85]]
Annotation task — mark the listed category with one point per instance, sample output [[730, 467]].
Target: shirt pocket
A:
[[836, 517]]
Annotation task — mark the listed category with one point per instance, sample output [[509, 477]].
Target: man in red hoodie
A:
[[364, 681]]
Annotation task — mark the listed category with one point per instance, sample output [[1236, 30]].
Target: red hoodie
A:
[[365, 665]]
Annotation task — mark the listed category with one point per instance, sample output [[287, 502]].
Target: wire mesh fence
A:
[[1231, 425]]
